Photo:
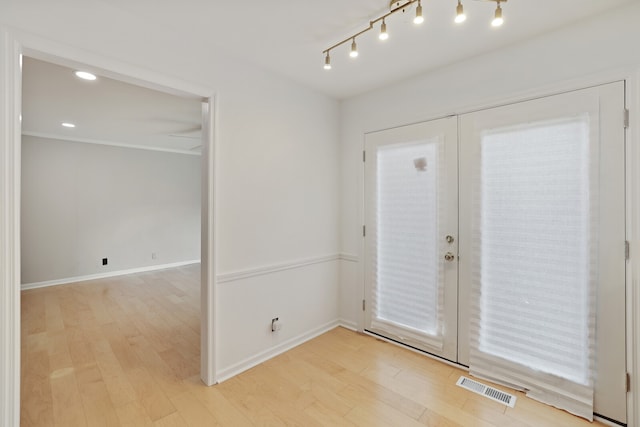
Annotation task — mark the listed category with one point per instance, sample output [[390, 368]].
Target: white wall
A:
[[277, 177], [551, 62], [84, 202], [277, 204], [285, 294]]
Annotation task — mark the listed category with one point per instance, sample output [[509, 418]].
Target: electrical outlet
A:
[[105, 261], [275, 324], [154, 255]]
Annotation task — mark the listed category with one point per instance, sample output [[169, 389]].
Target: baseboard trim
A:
[[262, 357], [260, 271], [348, 324], [76, 279]]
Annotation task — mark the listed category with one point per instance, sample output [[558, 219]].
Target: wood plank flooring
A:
[[125, 352]]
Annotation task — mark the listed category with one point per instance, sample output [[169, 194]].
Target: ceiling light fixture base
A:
[[395, 4]]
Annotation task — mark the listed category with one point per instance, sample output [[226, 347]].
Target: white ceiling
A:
[[288, 36], [106, 111], [284, 36]]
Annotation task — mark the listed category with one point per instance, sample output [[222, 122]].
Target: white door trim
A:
[[208, 372], [12, 45], [10, 86], [633, 236]]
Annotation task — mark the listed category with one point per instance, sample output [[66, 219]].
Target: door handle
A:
[[449, 256]]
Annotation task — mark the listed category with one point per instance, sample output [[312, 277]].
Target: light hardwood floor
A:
[[125, 352]]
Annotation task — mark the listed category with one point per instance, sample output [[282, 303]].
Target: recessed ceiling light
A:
[[68, 125], [85, 75]]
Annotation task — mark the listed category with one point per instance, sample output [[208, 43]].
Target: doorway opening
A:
[[179, 139]]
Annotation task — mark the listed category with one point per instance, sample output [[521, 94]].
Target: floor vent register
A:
[[488, 392]]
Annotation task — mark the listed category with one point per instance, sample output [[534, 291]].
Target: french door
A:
[[536, 250], [411, 186]]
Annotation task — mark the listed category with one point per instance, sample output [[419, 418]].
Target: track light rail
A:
[[372, 23], [401, 5]]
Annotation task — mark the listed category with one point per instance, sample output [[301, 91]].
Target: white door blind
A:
[[535, 260], [408, 277]]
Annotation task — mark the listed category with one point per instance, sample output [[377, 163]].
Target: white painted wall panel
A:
[[278, 176], [304, 299], [85, 202]]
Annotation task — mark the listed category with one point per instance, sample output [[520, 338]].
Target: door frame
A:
[[631, 77], [633, 236], [12, 45]]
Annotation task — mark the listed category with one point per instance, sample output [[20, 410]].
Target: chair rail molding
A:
[[270, 269]]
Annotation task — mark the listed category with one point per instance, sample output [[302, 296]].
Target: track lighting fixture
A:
[[383, 31], [354, 49], [497, 20], [419, 19], [460, 15], [403, 5], [327, 62]]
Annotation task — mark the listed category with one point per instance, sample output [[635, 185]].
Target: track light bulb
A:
[[383, 31], [497, 20], [419, 19], [327, 62], [460, 15], [354, 49]]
